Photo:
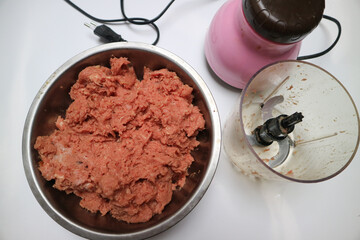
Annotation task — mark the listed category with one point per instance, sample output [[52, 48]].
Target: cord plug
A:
[[105, 33]]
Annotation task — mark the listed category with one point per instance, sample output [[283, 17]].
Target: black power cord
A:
[[108, 34], [143, 22], [334, 20], [105, 33]]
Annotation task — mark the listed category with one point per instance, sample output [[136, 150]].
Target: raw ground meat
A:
[[124, 144]]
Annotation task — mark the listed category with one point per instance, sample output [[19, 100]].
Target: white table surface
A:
[[38, 36]]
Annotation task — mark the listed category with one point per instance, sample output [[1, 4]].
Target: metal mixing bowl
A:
[[53, 99]]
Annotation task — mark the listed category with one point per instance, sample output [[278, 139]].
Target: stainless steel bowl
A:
[[52, 100]]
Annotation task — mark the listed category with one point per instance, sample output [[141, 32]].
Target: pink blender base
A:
[[235, 52]]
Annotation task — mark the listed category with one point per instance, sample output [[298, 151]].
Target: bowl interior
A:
[[54, 102]]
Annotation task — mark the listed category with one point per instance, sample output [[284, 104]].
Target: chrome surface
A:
[[52, 100]]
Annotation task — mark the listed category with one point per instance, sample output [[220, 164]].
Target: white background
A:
[[38, 36]]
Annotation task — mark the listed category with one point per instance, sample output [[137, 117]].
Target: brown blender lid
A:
[[283, 21]]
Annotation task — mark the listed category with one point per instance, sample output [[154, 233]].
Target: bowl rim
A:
[[318, 68], [30, 169]]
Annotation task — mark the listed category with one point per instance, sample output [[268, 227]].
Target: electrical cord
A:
[[105, 33], [108, 35], [334, 20], [134, 21]]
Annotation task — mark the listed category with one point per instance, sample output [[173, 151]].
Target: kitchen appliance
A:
[[293, 121]]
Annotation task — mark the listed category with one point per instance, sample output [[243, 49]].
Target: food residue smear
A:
[[124, 144]]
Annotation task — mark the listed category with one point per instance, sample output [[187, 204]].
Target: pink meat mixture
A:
[[124, 144]]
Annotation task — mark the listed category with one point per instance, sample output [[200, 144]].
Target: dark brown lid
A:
[[283, 21]]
